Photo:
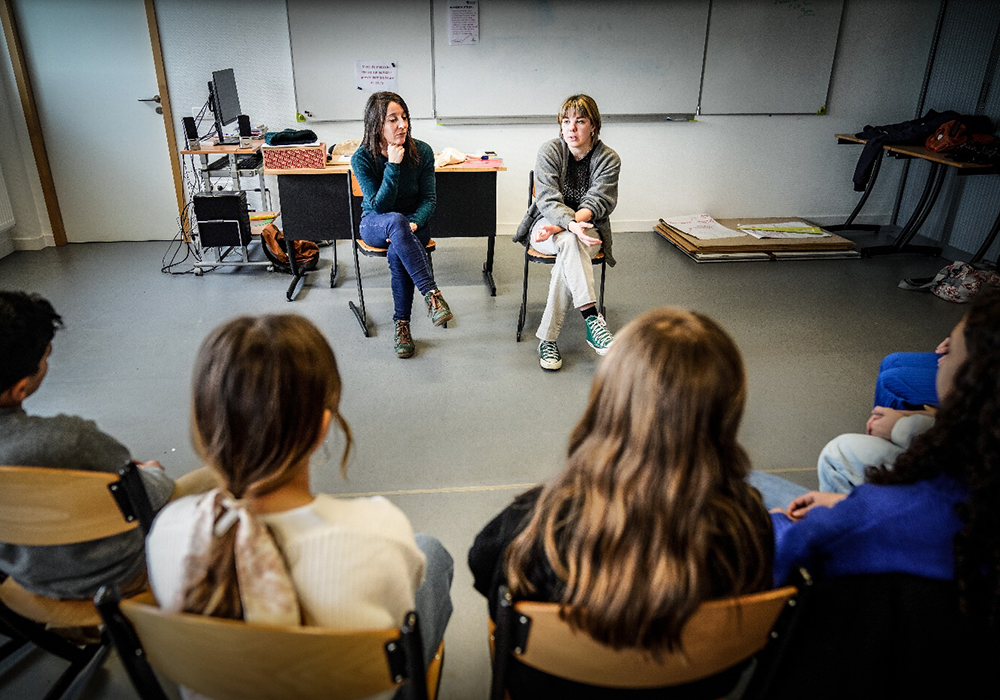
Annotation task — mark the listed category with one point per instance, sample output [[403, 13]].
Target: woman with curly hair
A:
[[651, 515], [934, 513]]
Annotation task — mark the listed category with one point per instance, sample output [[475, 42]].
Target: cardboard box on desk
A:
[[294, 157]]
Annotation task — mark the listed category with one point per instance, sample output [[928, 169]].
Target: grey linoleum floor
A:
[[454, 433]]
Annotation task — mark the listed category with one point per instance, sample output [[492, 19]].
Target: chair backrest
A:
[[235, 660], [41, 506], [719, 635]]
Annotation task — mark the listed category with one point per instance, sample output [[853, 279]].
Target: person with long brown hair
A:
[[396, 175], [265, 548], [651, 515]]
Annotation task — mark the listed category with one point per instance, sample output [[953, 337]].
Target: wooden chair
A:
[[236, 660], [533, 256], [359, 310], [721, 634], [40, 507]]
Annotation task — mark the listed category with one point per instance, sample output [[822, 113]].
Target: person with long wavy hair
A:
[[651, 514], [934, 512], [396, 175], [264, 547]]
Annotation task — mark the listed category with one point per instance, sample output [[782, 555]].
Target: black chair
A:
[[533, 256], [41, 507], [878, 636], [359, 310]]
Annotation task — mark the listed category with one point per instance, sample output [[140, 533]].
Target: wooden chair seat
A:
[[51, 507], [374, 252], [51, 612], [546, 259], [721, 634], [235, 660]]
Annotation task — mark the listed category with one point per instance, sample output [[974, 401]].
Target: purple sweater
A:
[[876, 529]]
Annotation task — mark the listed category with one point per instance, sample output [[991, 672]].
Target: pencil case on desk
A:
[[294, 157]]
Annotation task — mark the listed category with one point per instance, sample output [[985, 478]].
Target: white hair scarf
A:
[[266, 589]]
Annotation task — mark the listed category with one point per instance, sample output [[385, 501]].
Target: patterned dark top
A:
[[577, 180]]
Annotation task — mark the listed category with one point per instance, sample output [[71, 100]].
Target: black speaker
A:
[[244, 125], [191, 133], [223, 219]]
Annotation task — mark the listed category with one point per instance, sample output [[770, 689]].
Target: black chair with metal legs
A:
[[533, 256], [359, 310]]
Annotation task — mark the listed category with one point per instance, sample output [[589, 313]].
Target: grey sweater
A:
[[550, 174]]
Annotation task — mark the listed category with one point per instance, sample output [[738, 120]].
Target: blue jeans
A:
[[408, 261], [433, 599], [777, 492], [906, 380]]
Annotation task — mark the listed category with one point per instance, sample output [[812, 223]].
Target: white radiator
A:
[[6, 212]]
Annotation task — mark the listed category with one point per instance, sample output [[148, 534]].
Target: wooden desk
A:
[[932, 188], [323, 208]]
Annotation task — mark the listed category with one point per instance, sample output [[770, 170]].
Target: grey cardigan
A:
[[601, 198]]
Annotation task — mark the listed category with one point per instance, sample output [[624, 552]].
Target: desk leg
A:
[[333, 269], [932, 188], [990, 237], [488, 265], [297, 274], [848, 225]]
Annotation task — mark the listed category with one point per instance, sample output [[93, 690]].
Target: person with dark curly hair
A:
[[934, 513]]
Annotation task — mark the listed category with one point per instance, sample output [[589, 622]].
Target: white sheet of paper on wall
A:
[[373, 76], [463, 22]]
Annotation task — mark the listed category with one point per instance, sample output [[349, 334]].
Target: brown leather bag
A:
[[306, 252], [948, 136]]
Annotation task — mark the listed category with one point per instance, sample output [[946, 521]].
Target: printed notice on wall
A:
[[372, 76], [463, 22]]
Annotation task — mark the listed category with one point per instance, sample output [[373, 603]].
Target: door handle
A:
[[154, 98]]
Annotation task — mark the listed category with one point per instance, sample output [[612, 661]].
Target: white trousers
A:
[[572, 281]]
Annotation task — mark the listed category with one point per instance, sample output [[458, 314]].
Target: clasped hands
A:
[[577, 228]]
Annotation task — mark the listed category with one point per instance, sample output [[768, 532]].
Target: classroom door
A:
[[90, 63]]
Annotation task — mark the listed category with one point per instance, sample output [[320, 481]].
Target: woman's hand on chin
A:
[[394, 153]]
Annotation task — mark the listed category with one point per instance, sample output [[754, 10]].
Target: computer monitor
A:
[[224, 101]]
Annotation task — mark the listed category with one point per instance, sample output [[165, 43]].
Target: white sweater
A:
[[354, 561]]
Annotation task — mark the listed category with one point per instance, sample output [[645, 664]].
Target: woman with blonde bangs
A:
[[576, 189], [264, 548], [651, 516]]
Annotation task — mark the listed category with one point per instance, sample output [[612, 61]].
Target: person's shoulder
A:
[[374, 509], [66, 430], [361, 156], [424, 151], [174, 516], [604, 152], [553, 146]]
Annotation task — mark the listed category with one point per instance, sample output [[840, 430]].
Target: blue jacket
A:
[[877, 529]]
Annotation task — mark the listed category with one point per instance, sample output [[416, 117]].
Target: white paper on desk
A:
[[702, 226], [783, 234]]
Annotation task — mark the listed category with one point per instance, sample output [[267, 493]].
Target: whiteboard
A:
[[327, 38], [770, 56], [635, 58]]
